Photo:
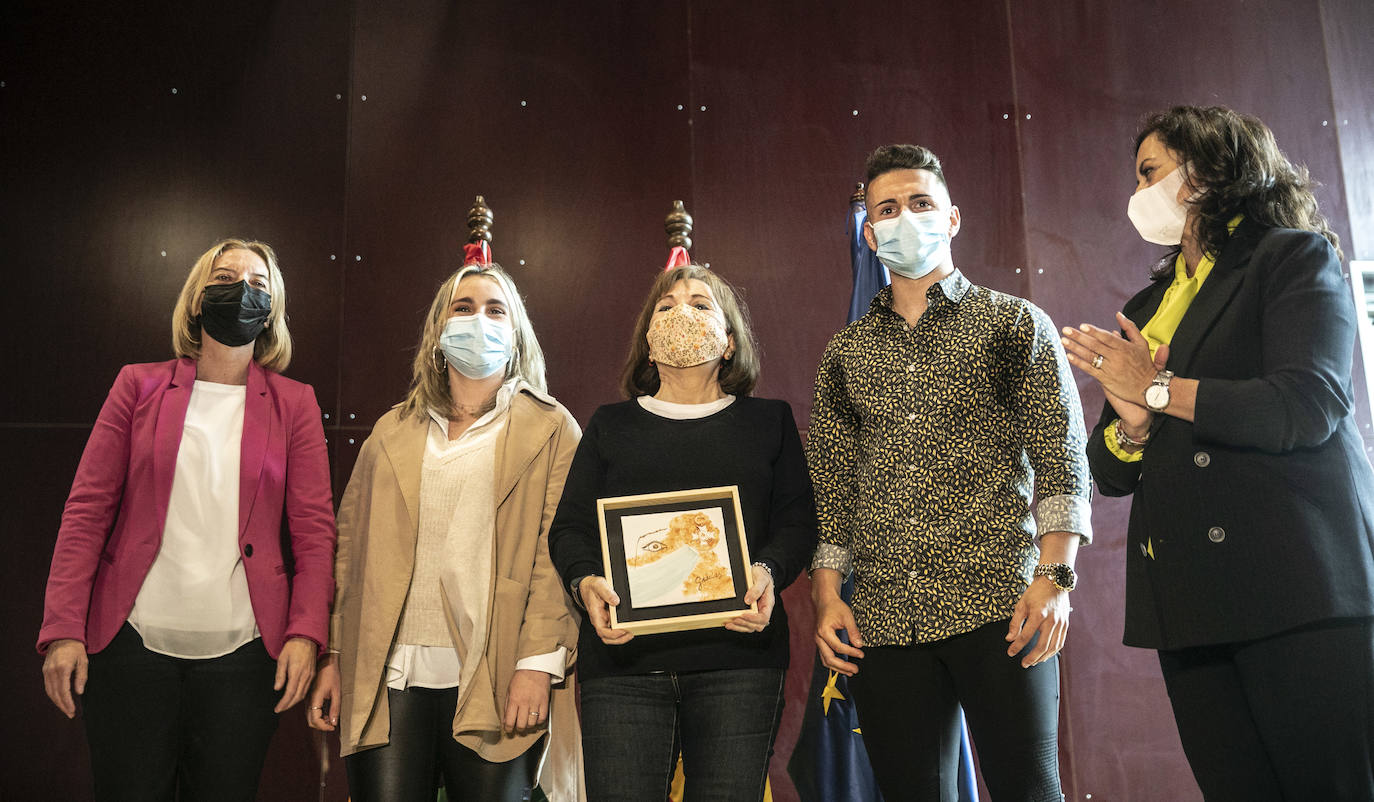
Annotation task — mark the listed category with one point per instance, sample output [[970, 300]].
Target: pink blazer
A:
[[112, 525]]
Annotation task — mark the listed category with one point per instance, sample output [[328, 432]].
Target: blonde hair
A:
[[737, 375], [272, 348], [429, 372]]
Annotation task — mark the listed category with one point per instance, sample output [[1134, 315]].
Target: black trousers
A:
[[421, 749], [908, 699], [162, 727], [1288, 717]]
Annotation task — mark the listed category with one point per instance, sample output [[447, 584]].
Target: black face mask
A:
[[234, 314]]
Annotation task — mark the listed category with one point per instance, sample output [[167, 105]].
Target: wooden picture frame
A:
[[677, 560]]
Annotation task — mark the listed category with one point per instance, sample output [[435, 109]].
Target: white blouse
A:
[[194, 602]]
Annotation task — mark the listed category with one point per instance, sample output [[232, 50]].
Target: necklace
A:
[[466, 412]]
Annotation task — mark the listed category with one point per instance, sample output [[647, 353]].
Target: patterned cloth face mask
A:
[[685, 336]]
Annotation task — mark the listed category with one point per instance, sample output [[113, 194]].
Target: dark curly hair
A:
[[1233, 159], [903, 157]]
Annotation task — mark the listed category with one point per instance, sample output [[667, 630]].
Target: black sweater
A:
[[627, 450]]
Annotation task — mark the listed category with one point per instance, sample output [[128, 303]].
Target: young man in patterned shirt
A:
[[938, 415]]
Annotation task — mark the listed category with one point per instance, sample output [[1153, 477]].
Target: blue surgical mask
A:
[[476, 346], [912, 244]]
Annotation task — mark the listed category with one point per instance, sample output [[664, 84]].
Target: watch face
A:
[[1157, 397], [1063, 577]]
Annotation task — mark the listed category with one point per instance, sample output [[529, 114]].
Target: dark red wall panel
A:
[[790, 113], [1347, 25], [134, 137], [566, 122], [44, 755]]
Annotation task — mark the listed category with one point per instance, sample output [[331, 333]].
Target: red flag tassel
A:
[[477, 253], [677, 257]]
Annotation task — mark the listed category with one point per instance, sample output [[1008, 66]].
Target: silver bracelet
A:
[[765, 567]]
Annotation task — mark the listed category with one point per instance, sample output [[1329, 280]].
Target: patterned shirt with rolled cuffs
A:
[[926, 444]]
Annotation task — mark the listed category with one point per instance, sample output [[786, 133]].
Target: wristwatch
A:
[[575, 590], [1061, 574], [1157, 394]]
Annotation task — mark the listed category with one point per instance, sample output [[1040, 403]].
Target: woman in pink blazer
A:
[[178, 608]]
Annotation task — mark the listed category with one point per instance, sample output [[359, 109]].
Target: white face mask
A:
[[912, 244], [1156, 211]]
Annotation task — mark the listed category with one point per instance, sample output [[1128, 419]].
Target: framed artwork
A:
[[677, 560]]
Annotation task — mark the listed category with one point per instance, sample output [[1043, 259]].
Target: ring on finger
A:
[[1097, 361]]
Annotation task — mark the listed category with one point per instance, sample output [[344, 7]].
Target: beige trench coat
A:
[[528, 612]]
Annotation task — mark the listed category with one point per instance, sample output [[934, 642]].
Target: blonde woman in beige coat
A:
[[451, 642]]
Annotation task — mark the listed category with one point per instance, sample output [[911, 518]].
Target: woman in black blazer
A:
[[1229, 420]]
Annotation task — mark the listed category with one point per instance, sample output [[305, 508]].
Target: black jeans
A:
[[1288, 717], [162, 727], [723, 721], [421, 749], [908, 699]]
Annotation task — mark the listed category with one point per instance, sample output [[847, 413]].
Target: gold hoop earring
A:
[[440, 364]]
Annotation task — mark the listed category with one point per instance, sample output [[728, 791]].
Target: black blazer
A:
[[1259, 515]]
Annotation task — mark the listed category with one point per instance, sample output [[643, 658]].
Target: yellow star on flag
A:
[[831, 692]]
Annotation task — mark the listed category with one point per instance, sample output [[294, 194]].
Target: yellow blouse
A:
[[1160, 328]]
